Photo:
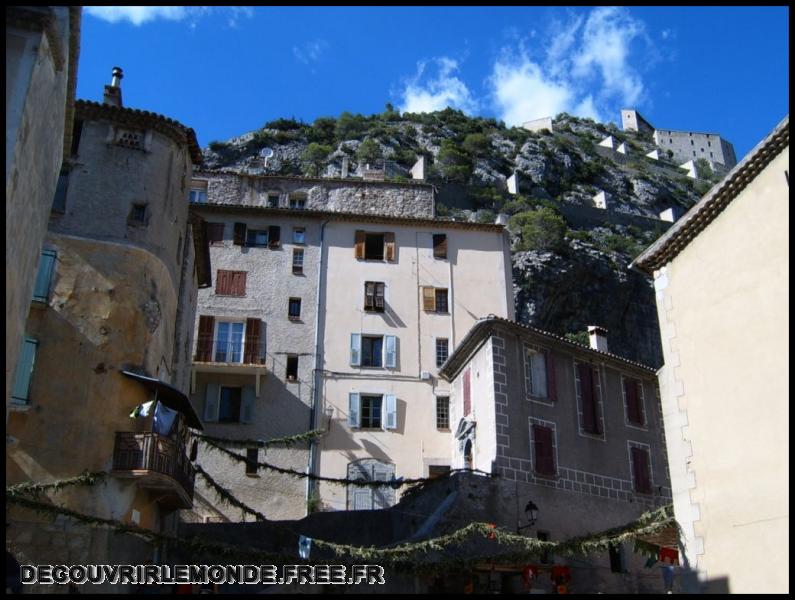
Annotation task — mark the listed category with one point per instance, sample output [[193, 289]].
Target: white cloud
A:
[[428, 94], [311, 51], [139, 15]]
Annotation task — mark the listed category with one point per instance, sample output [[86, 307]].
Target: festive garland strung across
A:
[[226, 495], [288, 441], [33, 488]]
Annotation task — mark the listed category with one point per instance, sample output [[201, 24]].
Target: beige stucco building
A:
[[110, 328], [721, 275], [42, 48]]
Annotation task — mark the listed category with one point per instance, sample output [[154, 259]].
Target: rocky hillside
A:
[[570, 259]]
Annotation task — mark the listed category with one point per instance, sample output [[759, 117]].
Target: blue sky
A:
[[228, 70]]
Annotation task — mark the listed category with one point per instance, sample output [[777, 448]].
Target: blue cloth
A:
[[304, 546], [164, 419], [668, 576]]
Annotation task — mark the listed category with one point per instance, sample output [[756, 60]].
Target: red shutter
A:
[[544, 451], [631, 392], [552, 387], [240, 234], [204, 344], [251, 353], [467, 393], [238, 287], [588, 395], [640, 470], [222, 282]]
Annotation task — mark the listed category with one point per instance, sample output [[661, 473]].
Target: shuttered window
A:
[[544, 450], [239, 238], [374, 246], [434, 299], [41, 289], [230, 283], [441, 301], [254, 352], [370, 412], [374, 296], [27, 357], [641, 473], [428, 299], [439, 245], [588, 397], [369, 498], [632, 395], [215, 233], [467, 393], [204, 343]]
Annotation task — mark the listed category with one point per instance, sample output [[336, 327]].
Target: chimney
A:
[[112, 94], [598, 338]]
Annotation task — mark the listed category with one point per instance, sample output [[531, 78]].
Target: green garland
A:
[[226, 495], [287, 441], [35, 489]]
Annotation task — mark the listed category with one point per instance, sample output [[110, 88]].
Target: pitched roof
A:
[[676, 239], [484, 328], [87, 109]]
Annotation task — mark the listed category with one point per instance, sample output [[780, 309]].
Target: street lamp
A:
[[531, 513]]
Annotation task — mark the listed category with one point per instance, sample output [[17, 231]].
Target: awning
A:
[[170, 397]]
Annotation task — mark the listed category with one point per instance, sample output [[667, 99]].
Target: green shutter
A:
[[247, 410], [41, 291], [27, 356], [211, 402]]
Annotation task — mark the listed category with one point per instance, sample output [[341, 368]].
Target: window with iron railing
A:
[[230, 341]]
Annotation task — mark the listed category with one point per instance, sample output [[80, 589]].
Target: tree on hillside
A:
[[453, 163], [314, 157], [541, 229], [369, 152], [322, 130], [350, 126], [477, 144]]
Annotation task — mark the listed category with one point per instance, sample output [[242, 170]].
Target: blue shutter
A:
[[27, 356], [247, 408], [356, 349], [41, 290], [390, 350], [353, 409], [391, 411], [211, 402]]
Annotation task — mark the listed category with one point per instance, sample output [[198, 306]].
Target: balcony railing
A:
[[155, 453], [224, 351]]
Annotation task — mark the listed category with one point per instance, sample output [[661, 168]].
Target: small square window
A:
[[297, 201], [137, 214], [257, 237], [299, 235], [371, 412], [294, 308], [273, 200], [298, 261], [439, 245], [252, 457], [374, 246], [292, 368]]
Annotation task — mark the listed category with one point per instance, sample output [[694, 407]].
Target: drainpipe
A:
[[316, 374]]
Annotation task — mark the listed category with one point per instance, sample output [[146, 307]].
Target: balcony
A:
[[157, 463], [215, 355]]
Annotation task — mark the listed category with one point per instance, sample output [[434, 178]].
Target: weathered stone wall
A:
[[371, 197], [687, 145]]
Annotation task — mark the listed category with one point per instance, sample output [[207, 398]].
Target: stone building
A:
[[42, 48], [576, 431], [356, 262], [110, 328], [725, 384], [684, 145]]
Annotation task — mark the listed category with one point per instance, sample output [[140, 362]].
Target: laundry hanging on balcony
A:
[[164, 419], [142, 410]]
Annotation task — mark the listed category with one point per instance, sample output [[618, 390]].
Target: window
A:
[[297, 201], [439, 245], [539, 374], [374, 296], [59, 200], [694, 152], [27, 357], [229, 342], [41, 289], [709, 143], [229, 405], [692, 143], [230, 283], [374, 246], [215, 234], [257, 237], [442, 412], [369, 497], [198, 191], [441, 351], [434, 300], [616, 552], [252, 457], [670, 141], [587, 382], [372, 411], [292, 368], [633, 401], [545, 558], [641, 471], [543, 450], [373, 350], [273, 200], [435, 471], [298, 261], [294, 308], [137, 215], [299, 235]]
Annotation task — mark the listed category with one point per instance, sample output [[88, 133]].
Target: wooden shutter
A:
[[211, 402], [41, 289], [439, 245], [640, 470], [353, 409], [544, 451], [240, 234], [552, 388], [274, 236], [379, 295], [428, 298], [358, 247], [369, 295], [467, 393], [390, 402], [222, 282], [204, 345], [251, 353], [389, 246], [247, 404], [390, 351], [588, 396], [633, 404], [24, 371], [356, 349], [237, 286]]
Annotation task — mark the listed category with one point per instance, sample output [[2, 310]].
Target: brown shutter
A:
[[640, 471], [631, 392], [238, 283], [467, 393], [439, 245], [251, 353], [552, 387], [240, 234], [358, 246], [544, 452], [204, 343], [389, 246], [379, 295], [222, 282], [369, 295], [590, 423], [428, 298], [274, 236], [215, 233]]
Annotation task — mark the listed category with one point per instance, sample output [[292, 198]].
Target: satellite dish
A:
[[265, 153]]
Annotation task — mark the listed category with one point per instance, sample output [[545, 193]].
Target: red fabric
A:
[[561, 574], [669, 554]]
